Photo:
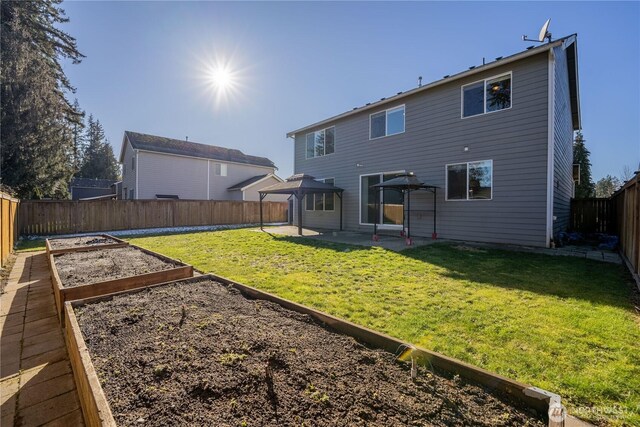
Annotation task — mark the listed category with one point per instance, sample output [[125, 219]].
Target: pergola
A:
[[300, 185], [405, 183]]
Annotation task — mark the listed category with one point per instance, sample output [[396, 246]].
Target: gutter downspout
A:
[[137, 190]]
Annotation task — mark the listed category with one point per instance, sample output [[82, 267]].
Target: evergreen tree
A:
[[586, 188], [98, 160], [606, 186], [36, 117], [78, 138]]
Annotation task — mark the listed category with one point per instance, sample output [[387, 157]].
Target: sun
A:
[[222, 78]]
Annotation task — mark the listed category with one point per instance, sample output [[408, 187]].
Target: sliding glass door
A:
[[391, 207]]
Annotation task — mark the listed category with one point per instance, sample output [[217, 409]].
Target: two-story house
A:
[[496, 139], [155, 167]]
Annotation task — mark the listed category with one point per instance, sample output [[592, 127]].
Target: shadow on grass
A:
[[317, 243], [561, 277]]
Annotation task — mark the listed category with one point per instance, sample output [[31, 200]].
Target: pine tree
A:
[[78, 138], [98, 160], [606, 186], [586, 188], [36, 117]]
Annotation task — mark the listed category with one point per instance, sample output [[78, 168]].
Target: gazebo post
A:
[[299, 212], [261, 222], [375, 220], [408, 217], [434, 236], [340, 197]]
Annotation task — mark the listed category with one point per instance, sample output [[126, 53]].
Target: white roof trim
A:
[[270, 175]]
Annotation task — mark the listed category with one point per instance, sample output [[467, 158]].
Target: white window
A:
[[321, 201], [320, 143], [486, 96], [390, 211], [385, 123], [470, 181], [220, 169]]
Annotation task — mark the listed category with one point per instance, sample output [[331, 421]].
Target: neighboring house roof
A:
[[101, 197], [160, 144], [530, 51], [241, 186], [91, 183]]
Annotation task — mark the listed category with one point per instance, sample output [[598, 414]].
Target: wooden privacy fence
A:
[[627, 203], [595, 215], [9, 219], [60, 217]]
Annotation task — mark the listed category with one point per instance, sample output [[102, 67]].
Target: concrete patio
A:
[[392, 241], [36, 382]]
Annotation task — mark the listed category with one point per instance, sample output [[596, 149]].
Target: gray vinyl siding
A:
[[128, 174], [563, 144], [435, 135], [251, 192], [185, 177], [235, 173]]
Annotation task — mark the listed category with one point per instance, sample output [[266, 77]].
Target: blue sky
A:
[[298, 63]]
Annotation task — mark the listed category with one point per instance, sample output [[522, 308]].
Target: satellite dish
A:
[[544, 34], [543, 31]]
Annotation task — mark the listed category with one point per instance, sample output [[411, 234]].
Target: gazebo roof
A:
[[300, 184], [407, 181]]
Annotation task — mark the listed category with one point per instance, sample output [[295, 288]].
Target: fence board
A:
[[8, 225], [595, 215], [65, 216], [627, 202]]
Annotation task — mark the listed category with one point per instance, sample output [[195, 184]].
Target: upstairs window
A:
[[470, 181], [386, 123], [220, 169], [320, 201], [321, 143], [486, 96], [133, 163]]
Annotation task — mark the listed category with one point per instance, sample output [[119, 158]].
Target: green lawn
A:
[[563, 324]]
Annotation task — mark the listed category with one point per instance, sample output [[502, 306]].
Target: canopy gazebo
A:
[[300, 185], [405, 183]]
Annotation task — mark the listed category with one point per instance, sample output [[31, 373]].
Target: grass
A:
[[563, 324]]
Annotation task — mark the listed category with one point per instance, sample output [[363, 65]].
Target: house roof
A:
[[253, 180], [160, 144], [301, 184], [91, 183], [530, 51]]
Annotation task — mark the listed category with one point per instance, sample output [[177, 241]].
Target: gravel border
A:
[[146, 231]]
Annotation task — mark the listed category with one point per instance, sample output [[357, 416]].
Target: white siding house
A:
[[155, 167]]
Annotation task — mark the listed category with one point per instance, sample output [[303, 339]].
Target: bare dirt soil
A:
[[82, 268], [202, 354], [73, 242]]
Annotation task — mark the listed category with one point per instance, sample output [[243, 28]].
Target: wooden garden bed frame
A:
[[119, 243], [97, 411], [62, 294]]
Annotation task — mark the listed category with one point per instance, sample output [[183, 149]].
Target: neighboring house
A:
[[87, 188], [496, 138], [248, 189], [154, 167]]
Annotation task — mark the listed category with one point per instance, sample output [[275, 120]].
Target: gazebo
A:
[[405, 183], [300, 185]]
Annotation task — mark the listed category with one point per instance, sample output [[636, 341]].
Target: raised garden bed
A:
[[83, 243], [86, 274], [200, 352]]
